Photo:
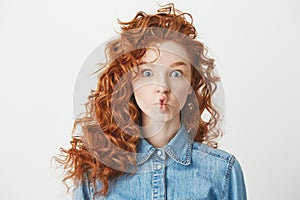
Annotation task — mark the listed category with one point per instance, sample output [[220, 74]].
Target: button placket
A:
[[161, 154], [158, 176]]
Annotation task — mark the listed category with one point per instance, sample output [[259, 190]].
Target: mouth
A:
[[163, 106], [163, 103]]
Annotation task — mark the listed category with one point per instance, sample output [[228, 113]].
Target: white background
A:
[[43, 45]]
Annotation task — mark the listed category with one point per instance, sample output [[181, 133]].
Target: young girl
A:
[[143, 135]]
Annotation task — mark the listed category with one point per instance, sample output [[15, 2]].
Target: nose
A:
[[162, 89], [162, 84]]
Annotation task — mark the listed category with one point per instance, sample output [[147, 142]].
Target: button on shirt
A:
[[183, 169]]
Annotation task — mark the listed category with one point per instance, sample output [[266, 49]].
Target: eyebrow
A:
[[178, 64]]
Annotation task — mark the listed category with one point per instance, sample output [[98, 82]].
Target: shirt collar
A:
[[179, 148]]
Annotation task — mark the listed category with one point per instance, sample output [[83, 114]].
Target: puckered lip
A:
[[163, 100], [160, 104]]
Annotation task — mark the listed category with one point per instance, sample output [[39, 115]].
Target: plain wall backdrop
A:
[[43, 45]]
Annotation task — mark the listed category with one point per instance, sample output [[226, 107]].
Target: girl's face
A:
[[161, 87]]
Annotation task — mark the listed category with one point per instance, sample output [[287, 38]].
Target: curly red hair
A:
[[105, 151]]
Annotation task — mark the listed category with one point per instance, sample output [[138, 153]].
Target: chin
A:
[[159, 115], [163, 118]]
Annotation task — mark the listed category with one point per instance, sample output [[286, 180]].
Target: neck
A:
[[159, 133]]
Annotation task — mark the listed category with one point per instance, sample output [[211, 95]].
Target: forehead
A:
[[168, 50]]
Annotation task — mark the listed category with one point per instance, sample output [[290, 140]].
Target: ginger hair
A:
[[104, 151]]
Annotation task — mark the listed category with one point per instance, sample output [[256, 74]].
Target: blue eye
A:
[[176, 73], [146, 73]]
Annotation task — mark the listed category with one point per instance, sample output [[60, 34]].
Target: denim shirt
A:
[[182, 169]]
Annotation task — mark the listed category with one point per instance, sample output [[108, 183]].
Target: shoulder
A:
[[222, 164], [213, 158], [203, 150]]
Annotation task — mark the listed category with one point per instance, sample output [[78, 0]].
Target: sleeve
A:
[[236, 183], [83, 191]]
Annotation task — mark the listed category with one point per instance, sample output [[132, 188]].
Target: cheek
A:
[[181, 88], [181, 93], [142, 96]]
